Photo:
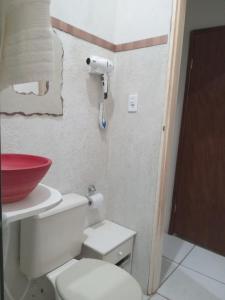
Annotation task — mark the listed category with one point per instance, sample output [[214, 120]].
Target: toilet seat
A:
[[91, 279]]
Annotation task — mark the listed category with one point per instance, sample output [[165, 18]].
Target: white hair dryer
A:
[[103, 67]]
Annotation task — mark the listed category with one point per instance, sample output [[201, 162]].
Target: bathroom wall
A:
[[92, 16], [136, 20], [134, 147], [78, 148], [123, 161], [135, 138], [113, 22], [200, 14]]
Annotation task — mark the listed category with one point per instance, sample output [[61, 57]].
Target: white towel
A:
[[26, 42]]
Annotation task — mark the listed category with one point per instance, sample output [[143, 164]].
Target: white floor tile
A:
[[207, 263], [157, 297], [168, 267], [185, 284], [176, 249]]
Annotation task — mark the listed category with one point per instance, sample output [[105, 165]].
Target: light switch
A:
[[133, 103]]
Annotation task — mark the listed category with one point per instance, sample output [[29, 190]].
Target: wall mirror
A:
[[37, 98]]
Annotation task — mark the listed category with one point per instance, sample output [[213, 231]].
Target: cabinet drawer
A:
[[119, 253]]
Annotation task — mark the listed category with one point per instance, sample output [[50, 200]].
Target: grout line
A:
[[204, 275], [178, 265], [183, 266], [169, 259], [163, 281], [165, 297], [189, 252]]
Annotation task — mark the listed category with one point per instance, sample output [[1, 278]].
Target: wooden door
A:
[[198, 213]]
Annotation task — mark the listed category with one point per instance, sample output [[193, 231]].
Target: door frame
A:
[[175, 54]]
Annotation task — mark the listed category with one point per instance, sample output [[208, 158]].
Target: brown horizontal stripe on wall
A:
[[155, 41], [81, 34]]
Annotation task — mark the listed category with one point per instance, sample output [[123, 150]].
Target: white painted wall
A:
[[134, 147], [123, 161], [200, 14], [117, 21], [96, 17], [140, 19]]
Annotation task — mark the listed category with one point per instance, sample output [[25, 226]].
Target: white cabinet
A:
[[109, 242]]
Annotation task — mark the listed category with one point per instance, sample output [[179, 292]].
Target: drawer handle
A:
[[120, 253]]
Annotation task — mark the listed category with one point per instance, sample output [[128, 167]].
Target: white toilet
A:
[[49, 243]]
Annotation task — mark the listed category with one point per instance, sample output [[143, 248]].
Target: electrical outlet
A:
[[133, 103]]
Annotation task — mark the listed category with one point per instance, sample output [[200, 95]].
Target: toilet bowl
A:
[[90, 279], [50, 241]]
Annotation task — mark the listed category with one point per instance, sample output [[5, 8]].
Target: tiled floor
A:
[[190, 272]]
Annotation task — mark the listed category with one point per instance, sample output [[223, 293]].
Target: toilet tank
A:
[[54, 237]]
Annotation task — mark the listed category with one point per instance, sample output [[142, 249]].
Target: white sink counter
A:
[[41, 199]]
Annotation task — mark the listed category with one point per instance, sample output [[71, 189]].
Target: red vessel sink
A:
[[21, 173]]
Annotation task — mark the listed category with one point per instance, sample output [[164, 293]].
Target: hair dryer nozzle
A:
[[88, 61]]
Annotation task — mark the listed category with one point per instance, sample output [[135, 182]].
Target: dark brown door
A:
[[198, 213]]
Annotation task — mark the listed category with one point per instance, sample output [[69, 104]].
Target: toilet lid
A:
[[91, 279]]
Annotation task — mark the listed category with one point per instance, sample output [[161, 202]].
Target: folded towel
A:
[[27, 42]]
